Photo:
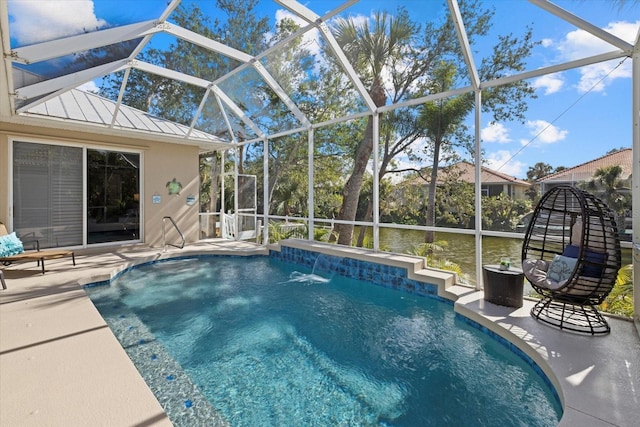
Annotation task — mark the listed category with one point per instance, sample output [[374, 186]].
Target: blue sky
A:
[[579, 114]]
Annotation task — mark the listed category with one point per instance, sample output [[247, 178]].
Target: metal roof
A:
[[79, 106]]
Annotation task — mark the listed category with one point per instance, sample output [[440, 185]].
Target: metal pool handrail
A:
[[164, 240]]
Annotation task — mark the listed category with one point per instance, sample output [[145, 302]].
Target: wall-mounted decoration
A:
[[155, 199], [174, 187], [191, 200]]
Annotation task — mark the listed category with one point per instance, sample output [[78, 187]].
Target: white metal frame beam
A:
[[275, 86], [7, 101], [603, 57], [456, 16], [205, 42], [63, 83], [311, 17], [237, 111], [145, 40], [635, 180], [230, 52], [82, 42], [196, 81], [584, 25]]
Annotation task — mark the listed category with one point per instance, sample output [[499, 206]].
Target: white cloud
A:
[[495, 132], [36, 21], [592, 76], [90, 86], [580, 44], [551, 83], [545, 132], [501, 161]]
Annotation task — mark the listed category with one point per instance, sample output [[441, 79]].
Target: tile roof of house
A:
[[466, 171], [585, 171], [487, 176]]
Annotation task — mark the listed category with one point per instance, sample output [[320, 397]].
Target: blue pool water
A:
[[257, 342]]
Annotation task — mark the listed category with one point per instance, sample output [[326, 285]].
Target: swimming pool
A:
[[252, 341]]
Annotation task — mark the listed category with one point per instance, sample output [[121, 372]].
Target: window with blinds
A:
[[47, 194]]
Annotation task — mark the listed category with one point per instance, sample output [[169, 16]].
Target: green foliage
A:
[[620, 300], [429, 250], [608, 186], [278, 231], [502, 213], [321, 234], [455, 204]]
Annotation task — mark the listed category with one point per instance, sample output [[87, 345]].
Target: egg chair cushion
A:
[[561, 268], [536, 271]]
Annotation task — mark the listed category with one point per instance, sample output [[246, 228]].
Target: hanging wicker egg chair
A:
[[571, 257]]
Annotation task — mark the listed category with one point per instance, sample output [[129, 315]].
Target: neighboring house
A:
[[585, 171], [493, 182]]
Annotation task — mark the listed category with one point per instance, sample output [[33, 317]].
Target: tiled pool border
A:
[[376, 273], [388, 276], [517, 351]]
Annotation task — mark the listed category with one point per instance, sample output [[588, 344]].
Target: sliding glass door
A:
[[51, 183], [113, 196], [47, 194]]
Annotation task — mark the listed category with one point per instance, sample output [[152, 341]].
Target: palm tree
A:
[[609, 186], [370, 50], [441, 120]]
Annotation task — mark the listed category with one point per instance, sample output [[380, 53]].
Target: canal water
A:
[[460, 248]]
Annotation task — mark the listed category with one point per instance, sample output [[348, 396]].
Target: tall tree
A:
[[441, 120], [609, 186], [539, 170], [306, 80], [371, 51], [444, 119], [535, 172], [409, 68]]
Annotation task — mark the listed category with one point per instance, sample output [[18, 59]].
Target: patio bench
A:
[[34, 255]]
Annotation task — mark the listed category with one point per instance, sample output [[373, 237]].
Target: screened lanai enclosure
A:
[[397, 125]]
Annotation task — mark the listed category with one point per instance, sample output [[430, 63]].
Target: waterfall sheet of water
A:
[[324, 268]]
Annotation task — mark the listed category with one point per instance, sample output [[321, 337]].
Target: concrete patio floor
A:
[[60, 365]]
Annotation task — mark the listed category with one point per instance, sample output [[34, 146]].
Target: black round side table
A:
[[503, 287]]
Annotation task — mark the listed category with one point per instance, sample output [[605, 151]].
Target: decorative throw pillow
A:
[[593, 264], [561, 268], [571, 251], [10, 245]]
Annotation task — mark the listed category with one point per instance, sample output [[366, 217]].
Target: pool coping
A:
[[49, 327]]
